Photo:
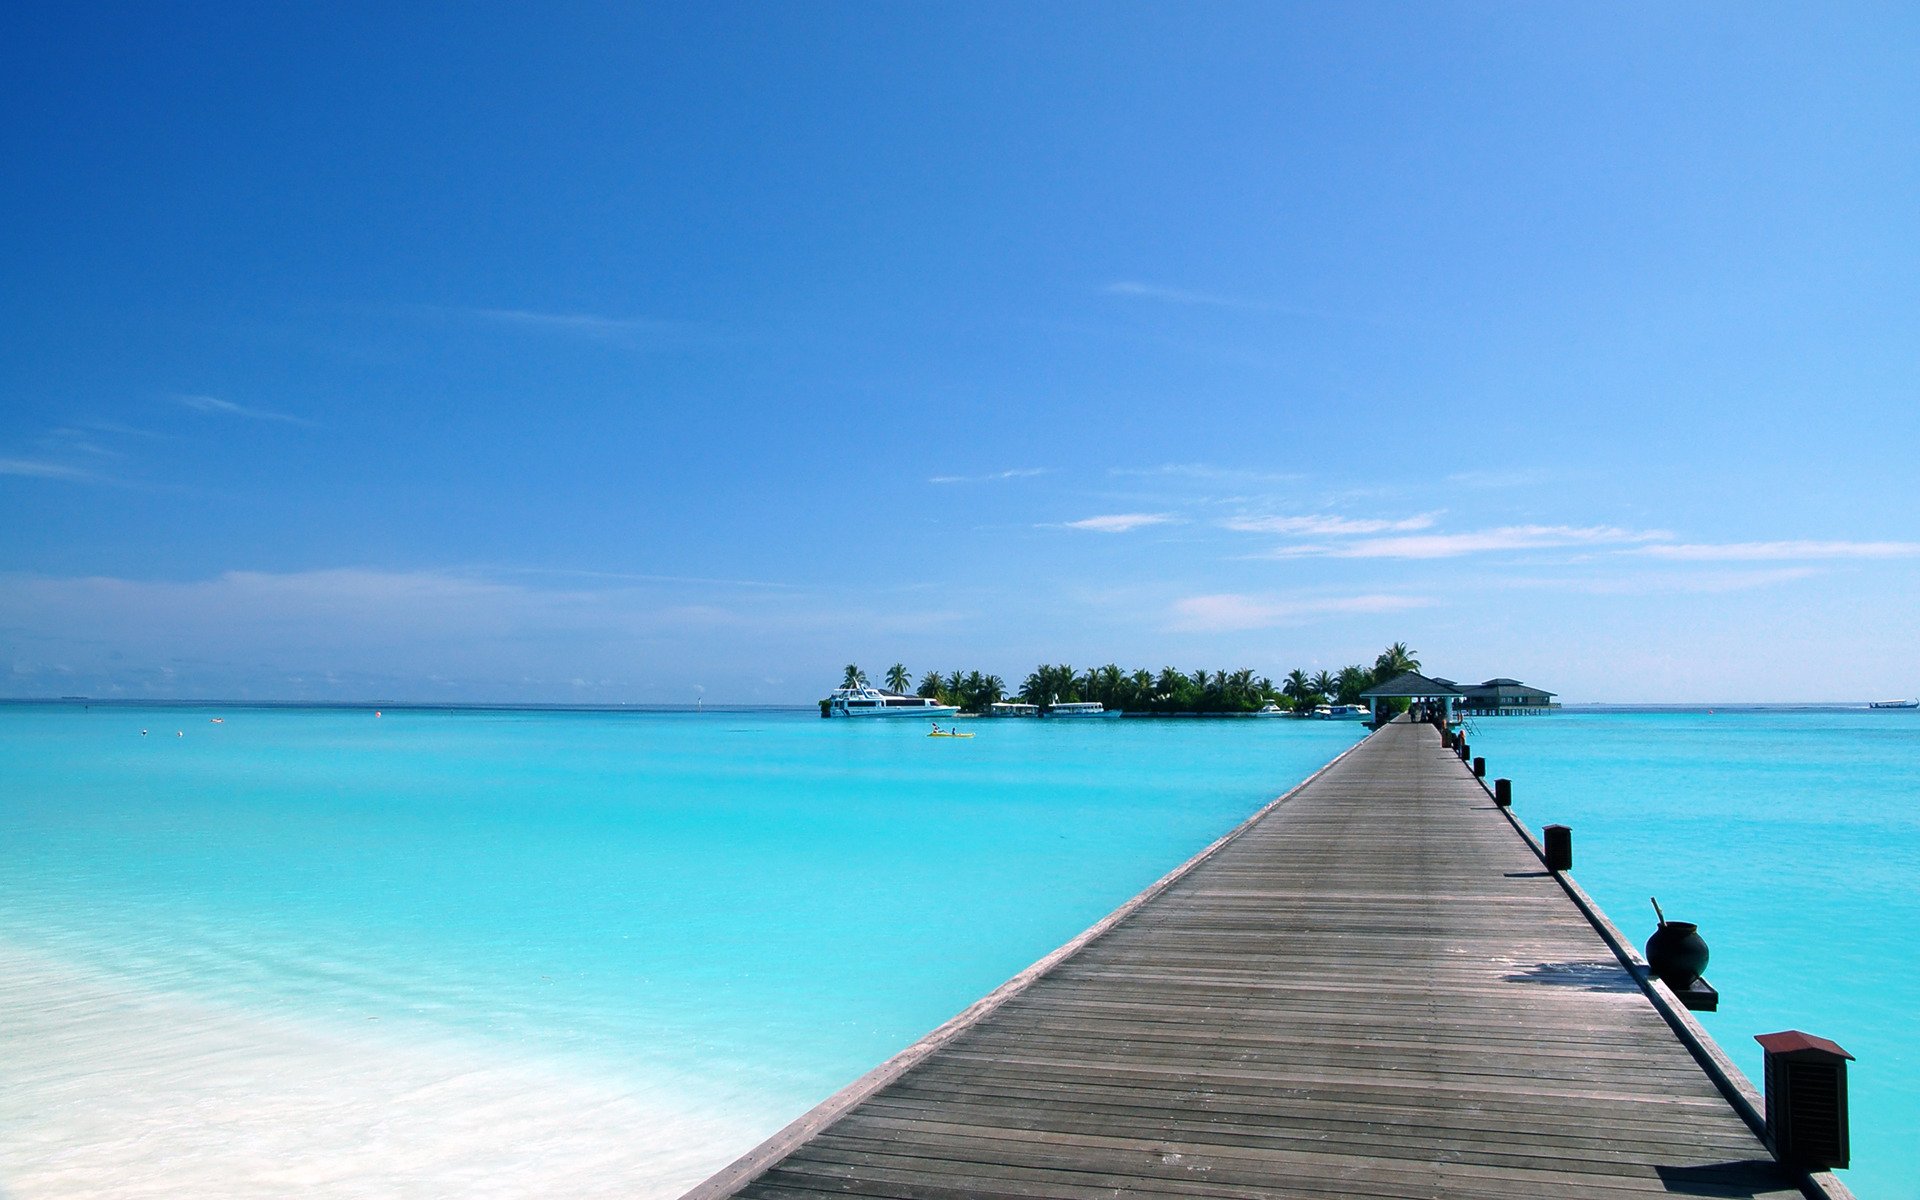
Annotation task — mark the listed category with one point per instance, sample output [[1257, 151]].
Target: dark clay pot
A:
[[1677, 953]]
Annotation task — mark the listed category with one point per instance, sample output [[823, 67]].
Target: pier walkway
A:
[[1371, 989]]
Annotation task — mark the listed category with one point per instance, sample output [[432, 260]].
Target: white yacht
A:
[[1082, 708], [1012, 708], [1340, 712], [866, 701], [1270, 709]]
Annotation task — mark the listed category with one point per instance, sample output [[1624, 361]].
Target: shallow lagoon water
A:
[[576, 954], [586, 949], [1792, 838]]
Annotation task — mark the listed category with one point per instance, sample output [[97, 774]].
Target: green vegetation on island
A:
[[1170, 692]]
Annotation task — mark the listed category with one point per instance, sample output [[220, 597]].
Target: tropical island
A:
[[1169, 692]]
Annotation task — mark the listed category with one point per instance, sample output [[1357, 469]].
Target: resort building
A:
[[1495, 698], [1503, 698], [1436, 696]]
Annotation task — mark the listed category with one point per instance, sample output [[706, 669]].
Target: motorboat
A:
[[1340, 712], [865, 701]]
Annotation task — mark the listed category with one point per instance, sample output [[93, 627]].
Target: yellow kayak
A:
[[946, 733]]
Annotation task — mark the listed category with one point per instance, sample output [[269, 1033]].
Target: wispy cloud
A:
[[1173, 295], [34, 468], [1228, 611], [631, 331], [644, 577], [1642, 583], [215, 406], [1785, 551], [1209, 472], [416, 629], [991, 476], [124, 430], [1513, 478], [78, 440], [1323, 525], [1121, 522], [1484, 541]]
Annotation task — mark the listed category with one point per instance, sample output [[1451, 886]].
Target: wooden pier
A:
[[1373, 988]]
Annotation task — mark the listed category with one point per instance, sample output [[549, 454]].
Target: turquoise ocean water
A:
[[1792, 838], [725, 913], [636, 943]]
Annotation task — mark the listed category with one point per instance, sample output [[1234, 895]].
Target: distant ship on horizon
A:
[[1895, 704]]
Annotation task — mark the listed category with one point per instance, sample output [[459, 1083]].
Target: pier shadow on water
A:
[[1594, 976]]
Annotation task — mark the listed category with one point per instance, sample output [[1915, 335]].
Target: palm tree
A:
[[930, 685], [897, 678], [1394, 660], [971, 689], [1240, 689], [1325, 683], [1168, 684], [855, 677], [1299, 689], [1139, 688], [1353, 680], [1088, 685], [1049, 684]]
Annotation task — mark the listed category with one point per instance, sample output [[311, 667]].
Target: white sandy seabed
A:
[[111, 1093]]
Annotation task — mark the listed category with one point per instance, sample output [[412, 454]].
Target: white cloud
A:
[[1663, 582], [1209, 472], [1229, 611], [393, 633], [991, 476], [215, 406], [1511, 478], [1121, 522], [1172, 295], [34, 468], [1785, 551], [1484, 541], [1328, 526], [626, 330]]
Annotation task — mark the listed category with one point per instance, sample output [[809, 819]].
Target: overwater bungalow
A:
[[1501, 698]]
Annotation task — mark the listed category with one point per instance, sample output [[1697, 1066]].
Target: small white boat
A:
[[872, 702], [1082, 709], [1895, 704], [1270, 709], [1340, 712]]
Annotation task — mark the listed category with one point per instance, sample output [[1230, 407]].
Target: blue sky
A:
[[610, 353]]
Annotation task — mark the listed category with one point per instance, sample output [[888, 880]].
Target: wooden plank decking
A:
[[1373, 989]]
